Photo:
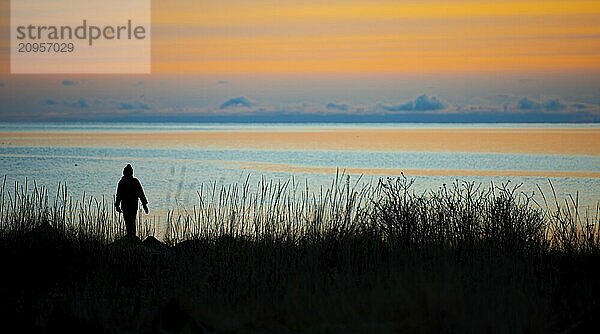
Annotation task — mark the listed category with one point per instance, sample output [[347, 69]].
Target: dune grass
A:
[[353, 257]]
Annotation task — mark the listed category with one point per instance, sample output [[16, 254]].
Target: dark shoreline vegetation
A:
[[352, 258]]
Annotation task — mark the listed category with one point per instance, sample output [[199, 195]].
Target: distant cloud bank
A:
[[149, 100]]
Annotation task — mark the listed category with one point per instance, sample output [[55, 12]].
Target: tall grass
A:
[[459, 215], [352, 256]]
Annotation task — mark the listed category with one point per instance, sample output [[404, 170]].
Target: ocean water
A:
[[171, 176]]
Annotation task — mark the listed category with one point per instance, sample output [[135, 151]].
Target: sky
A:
[[530, 61]]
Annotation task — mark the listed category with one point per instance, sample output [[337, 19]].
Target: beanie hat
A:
[[128, 170]]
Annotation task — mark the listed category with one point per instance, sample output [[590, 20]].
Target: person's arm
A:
[[142, 197], [118, 197]]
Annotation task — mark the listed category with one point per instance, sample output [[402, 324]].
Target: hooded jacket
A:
[[129, 190]]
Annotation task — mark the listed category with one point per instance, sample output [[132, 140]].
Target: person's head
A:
[[128, 170]]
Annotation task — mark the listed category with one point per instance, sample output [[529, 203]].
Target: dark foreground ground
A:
[[228, 285], [455, 261]]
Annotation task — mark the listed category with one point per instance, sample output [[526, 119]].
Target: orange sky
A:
[[349, 36], [376, 36]]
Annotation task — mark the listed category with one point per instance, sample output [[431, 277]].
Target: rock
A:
[[155, 245]]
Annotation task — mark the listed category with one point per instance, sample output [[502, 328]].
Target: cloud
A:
[[1, 84], [554, 105], [237, 102], [126, 106], [81, 103], [401, 107], [69, 83], [222, 82], [424, 103], [337, 106], [527, 104], [549, 105], [421, 103], [135, 105]]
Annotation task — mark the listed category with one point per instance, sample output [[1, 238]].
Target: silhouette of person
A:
[[129, 190]]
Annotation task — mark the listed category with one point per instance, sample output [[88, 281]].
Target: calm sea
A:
[[172, 176]]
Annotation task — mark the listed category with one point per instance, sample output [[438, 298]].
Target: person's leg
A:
[[129, 217]]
